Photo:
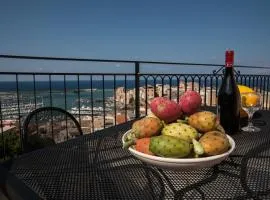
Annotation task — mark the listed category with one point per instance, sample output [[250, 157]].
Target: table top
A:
[[96, 166]]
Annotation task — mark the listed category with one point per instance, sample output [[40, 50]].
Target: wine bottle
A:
[[228, 107]]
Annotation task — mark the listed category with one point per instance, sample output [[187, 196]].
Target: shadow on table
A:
[[127, 177], [255, 179], [132, 181]]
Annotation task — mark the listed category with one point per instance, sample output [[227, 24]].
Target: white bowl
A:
[[182, 164]]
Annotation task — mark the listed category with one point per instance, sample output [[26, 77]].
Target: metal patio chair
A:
[[47, 126]]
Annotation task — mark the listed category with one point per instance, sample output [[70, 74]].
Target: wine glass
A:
[[251, 102]]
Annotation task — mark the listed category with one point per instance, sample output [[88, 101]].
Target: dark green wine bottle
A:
[[228, 107]]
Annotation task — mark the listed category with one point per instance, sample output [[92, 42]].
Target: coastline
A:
[[96, 108]]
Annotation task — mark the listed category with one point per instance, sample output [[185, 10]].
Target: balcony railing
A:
[[100, 100]]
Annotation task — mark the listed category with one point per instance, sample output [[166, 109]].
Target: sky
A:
[[197, 31]]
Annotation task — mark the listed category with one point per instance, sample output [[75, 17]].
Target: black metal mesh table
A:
[[96, 167]]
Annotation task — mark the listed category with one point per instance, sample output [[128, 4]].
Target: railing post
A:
[[137, 89]]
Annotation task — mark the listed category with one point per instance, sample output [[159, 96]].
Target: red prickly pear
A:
[[142, 145], [190, 102], [165, 109]]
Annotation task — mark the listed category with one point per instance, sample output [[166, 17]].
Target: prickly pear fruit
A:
[[180, 130], [190, 102], [216, 133], [145, 127], [214, 143], [203, 121], [169, 146], [142, 145], [165, 109]]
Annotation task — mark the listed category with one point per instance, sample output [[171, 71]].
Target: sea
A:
[[59, 94], [55, 94], [84, 91]]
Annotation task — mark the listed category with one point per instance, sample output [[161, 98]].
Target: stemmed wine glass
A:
[[251, 102]]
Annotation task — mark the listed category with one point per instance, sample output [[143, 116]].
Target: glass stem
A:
[[250, 124]]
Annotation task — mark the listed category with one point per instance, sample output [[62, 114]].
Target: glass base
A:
[[251, 129]]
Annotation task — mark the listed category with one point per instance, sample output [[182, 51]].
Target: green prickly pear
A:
[[169, 146]]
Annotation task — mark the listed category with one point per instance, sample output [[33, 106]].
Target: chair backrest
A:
[[47, 126]]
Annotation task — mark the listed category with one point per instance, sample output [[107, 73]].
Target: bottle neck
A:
[[229, 70]]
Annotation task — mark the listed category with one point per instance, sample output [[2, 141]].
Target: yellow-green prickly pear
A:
[[180, 130]]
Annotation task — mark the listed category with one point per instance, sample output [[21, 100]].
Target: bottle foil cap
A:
[[229, 58]]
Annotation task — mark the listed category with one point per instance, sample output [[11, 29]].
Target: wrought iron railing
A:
[[100, 100]]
